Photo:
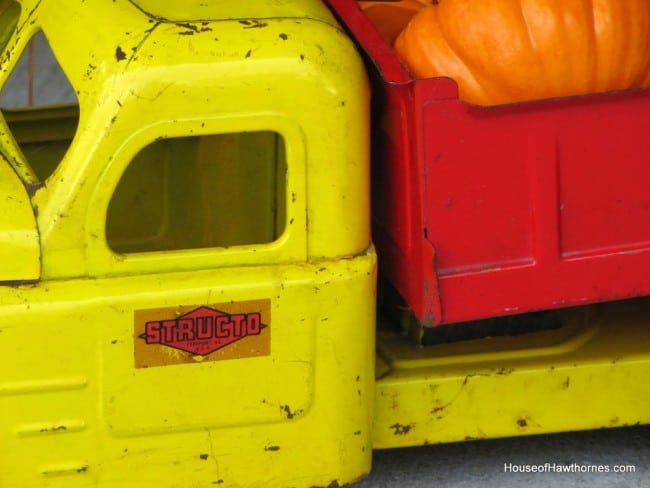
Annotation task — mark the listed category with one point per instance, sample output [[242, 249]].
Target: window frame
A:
[[289, 247]]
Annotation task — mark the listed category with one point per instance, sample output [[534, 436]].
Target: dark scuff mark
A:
[[271, 448], [253, 24], [283, 36], [119, 54], [147, 33], [204, 456], [565, 385], [505, 371], [400, 429], [287, 410], [522, 423], [356, 432], [82, 469], [90, 70], [186, 33], [217, 482], [114, 341], [302, 57], [57, 428], [188, 26], [32, 188], [248, 54]]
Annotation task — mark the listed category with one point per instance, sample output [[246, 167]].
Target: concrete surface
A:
[[481, 463]]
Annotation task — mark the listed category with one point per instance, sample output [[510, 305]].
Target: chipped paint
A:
[[401, 429]]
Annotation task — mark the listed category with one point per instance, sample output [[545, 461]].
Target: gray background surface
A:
[[481, 463], [461, 465]]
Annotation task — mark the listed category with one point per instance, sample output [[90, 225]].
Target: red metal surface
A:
[[481, 212]]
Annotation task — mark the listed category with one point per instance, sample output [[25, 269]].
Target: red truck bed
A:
[[489, 211]]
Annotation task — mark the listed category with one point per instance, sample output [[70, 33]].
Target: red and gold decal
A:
[[198, 333]]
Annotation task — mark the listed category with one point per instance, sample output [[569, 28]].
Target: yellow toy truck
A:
[[188, 279]]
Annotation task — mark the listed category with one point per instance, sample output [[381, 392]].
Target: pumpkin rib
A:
[[451, 12], [644, 70], [444, 54], [593, 42]]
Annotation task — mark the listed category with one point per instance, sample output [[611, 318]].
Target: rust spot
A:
[[203, 456], [271, 448], [522, 423], [283, 36], [119, 54], [400, 429]]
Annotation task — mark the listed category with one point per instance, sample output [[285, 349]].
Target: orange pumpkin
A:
[[390, 17], [503, 51]]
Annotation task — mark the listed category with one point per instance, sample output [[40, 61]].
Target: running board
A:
[[591, 373]]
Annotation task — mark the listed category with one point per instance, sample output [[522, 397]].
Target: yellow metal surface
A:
[[283, 101], [19, 246], [589, 374], [77, 413]]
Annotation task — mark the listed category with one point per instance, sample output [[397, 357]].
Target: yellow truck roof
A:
[[227, 9]]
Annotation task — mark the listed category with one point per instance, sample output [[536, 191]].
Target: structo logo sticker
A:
[[198, 333]]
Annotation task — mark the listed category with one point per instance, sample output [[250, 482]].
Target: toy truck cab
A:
[[190, 288]]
